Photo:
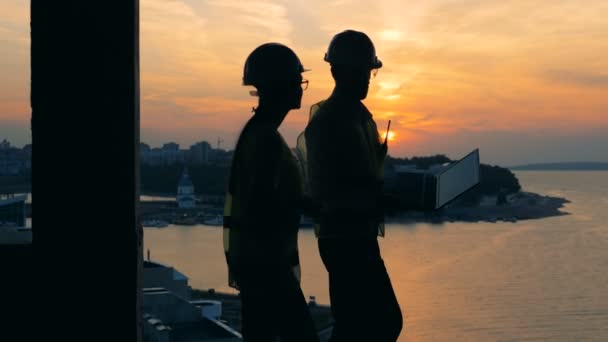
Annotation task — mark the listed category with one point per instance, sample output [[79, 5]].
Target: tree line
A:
[[212, 179]]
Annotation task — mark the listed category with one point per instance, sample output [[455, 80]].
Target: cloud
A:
[[265, 18], [511, 148], [172, 35], [452, 69], [211, 104], [15, 110], [506, 147], [15, 13], [578, 78]]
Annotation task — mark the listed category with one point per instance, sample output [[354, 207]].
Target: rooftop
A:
[[203, 330], [12, 199]]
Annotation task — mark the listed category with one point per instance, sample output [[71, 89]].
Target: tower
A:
[[185, 192]]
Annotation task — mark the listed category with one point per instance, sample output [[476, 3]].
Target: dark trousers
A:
[[363, 302], [273, 306]]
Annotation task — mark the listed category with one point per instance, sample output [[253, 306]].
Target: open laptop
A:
[[456, 178], [433, 189]]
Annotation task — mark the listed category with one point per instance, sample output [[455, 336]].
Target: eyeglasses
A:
[[304, 84]]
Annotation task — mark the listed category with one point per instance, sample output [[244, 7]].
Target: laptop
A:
[[433, 189]]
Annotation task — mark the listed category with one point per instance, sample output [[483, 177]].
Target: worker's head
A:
[[276, 72], [353, 59]]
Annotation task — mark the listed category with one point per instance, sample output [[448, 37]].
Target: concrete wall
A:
[[163, 277], [170, 308]]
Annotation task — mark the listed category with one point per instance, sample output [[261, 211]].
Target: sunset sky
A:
[[523, 81]]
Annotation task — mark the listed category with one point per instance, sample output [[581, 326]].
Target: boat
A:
[[185, 221], [155, 223], [217, 220]]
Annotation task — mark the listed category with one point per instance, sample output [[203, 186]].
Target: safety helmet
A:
[[352, 48], [271, 62]]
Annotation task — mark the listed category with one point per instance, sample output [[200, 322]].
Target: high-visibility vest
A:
[[373, 142], [235, 221]]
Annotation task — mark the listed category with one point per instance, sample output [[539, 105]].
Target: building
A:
[[5, 145], [200, 153], [170, 315], [170, 146], [14, 161], [171, 154], [13, 229], [27, 157], [150, 156], [222, 157], [143, 147], [185, 192], [168, 154], [10, 167], [167, 277]]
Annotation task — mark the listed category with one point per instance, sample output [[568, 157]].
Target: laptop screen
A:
[[457, 178]]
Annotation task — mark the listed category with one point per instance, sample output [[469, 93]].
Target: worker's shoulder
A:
[[316, 106], [324, 113], [260, 135], [258, 128]]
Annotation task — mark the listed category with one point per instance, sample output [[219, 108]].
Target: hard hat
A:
[[271, 62], [352, 48]]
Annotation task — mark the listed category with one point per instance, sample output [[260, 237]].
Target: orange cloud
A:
[[451, 69]]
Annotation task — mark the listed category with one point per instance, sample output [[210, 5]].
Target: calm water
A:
[[543, 279]]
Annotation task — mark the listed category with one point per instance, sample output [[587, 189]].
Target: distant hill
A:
[[571, 166]]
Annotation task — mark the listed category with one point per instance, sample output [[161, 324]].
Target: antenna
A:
[[388, 129], [219, 141]]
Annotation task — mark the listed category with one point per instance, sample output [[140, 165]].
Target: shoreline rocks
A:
[[523, 206]]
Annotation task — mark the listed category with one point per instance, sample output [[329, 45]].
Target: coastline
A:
[[522, 206], [527, 206]]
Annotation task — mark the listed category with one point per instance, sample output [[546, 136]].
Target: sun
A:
[[391, 136]]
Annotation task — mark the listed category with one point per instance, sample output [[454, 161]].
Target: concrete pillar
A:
[[85, 141]]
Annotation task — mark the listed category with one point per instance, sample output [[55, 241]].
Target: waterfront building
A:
[[171, 154], [13, 228], [170, 315], [185, 192], [200, 153]]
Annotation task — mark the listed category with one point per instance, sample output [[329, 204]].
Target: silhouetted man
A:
[[263, 206], [345, 164]]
